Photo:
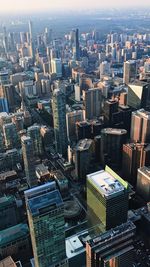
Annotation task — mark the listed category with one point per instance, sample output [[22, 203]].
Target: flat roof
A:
[[114, 131], [74, 246], [7, 262], [145, 171], [105, 183], [13, 233], [6, 201], [84, 144], [40, 202]]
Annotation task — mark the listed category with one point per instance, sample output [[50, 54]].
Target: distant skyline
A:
[[14, 6]]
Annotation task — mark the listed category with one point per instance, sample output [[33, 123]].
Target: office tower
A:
[[7, 91], [28, 158], [8, 212], [31, 30], [56, 67], [77, 92], [140, 126], [134, 156], [104, 69], [107, 199], [92, 100], [35, 135], [97, 145], [84, 153], [139, 95], [31, 43], [112, 141], [75, 43], [96, 127], [14, 240], [130, 71], [85, 83], [45, 211], [11, 138], [114, 248], [143, 183], [1, 142], [71, 119], [126, 112], [110, 107], [23, 37], [83, 130], [59, 117]]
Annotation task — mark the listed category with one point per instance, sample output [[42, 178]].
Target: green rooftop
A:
[[13, 234], [6, 201]]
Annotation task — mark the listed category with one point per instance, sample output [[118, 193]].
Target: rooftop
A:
[[114, 131], [146, 171], [6, 200], [7, 262], [39, 203], [84, 144], [105, 183], [13, 233], [73, 246], [142, 113]]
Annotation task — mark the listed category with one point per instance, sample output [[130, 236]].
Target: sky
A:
[[37, 5]]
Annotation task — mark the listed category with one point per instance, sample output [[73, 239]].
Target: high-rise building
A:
[[7, 92], [107, 199], [112, 141], [83, 156], [10, 136], [83, 130], [59, 117], [92, 103], [45, 211], [35, 134], [75, 43], [104, 69], [56, 67], [28, 158], [135, 155], [71, 119], [139, 95], [143, 183], [130, 71], [140, 126], [114, 248], [110, 107]]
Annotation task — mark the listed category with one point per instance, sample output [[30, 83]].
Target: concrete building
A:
[[135, 156], [59, 117], [71, 119], [29, 162], [112, 248], [92, 103], [34, 132], [83, 156], [8, 212], [143, 183], [130, 71], [140, 126], [56, 67], [11, 138], [112, 141]]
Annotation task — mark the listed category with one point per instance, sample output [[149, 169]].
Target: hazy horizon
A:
[[9, 6]]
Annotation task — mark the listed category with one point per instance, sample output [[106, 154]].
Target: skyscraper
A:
[[107, 199], [71, 119], [75, 43], [135, 155], [35, 135], [92, 100], [140, 126], [28, 158], [143, 183], [112, 141], [130, 71], [59, 117], [45, 211], [56, 67], [114, 248], [83, 156], [10, 136]]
